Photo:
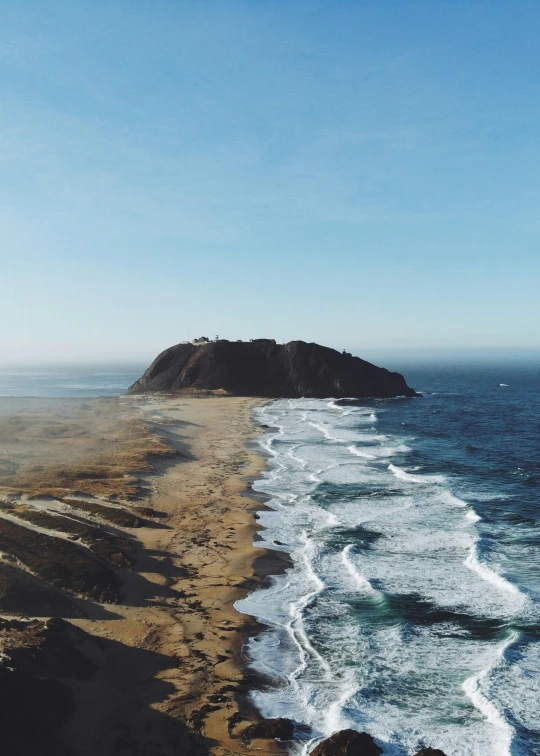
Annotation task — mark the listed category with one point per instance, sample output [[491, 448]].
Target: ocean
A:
[[412, 609], [68, 380]]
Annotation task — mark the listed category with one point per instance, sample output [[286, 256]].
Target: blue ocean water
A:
[[68, 380], [412, 609]]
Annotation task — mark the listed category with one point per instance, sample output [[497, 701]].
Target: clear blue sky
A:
[[364, 174]]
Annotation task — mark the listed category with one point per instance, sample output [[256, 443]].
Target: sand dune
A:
[[127, 518]]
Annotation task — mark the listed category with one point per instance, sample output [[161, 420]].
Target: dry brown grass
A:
[[100, 453]]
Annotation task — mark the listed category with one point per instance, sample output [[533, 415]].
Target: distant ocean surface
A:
[[412, 610], [68, 381]]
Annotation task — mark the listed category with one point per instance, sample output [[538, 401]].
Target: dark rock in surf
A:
[[280, 729], [430, 752], [264, 368], [348, 743]]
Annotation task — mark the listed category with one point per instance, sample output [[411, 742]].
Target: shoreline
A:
[[267, 563], [217, 693], [170, 655]]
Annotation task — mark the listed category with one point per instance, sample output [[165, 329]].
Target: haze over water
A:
[[67, 380], [412, 608]]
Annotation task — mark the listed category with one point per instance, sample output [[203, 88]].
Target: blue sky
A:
[[363, 174]]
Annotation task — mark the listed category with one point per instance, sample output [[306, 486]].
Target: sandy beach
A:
[[166, 673]]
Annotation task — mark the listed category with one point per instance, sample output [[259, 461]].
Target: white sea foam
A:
[[324, 430], [378, 452], [473, 562], [362, 583], [472, 516], [360, 452], [473, 688], [454, 500], [296, 626], [423, 479], [327, 641], [521, 677], [302, 462], [334, 721]]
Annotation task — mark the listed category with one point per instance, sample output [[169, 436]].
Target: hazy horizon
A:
[[363, 175], [376, 355]]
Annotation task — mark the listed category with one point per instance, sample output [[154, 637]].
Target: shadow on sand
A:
[[68, 693]]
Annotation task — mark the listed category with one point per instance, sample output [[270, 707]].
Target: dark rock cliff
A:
[[264, 368]]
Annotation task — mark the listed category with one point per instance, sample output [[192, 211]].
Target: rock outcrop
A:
[[430, 752], [348, 743], [264, 368], [280, 729]]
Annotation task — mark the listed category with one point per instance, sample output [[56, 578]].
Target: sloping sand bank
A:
[[165, 660]]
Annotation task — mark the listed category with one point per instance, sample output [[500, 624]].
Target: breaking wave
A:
[[396, 616]]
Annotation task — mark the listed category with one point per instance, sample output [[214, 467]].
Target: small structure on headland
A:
[[200, 340], [205, 340]]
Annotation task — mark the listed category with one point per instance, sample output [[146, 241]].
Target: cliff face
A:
[[264, 368]]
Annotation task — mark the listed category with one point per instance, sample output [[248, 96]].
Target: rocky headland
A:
[[264, 368]]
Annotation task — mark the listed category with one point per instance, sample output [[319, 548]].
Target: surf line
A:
[[295, 627], [473, 562], [363, 583], [325, 433], [472, 689], [422, 479]]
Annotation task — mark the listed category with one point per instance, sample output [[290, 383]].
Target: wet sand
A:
[[170, 675]]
